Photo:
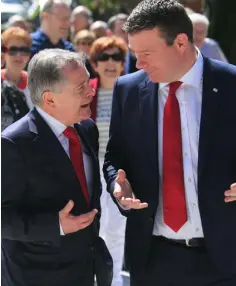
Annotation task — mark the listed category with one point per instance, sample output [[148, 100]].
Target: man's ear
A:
[[181, 41], [45, 15], [48, 99]]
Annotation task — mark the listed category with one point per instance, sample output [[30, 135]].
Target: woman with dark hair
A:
[[107, 56]]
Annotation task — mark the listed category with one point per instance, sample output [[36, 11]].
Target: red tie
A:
[[174, 204], [76, 156]]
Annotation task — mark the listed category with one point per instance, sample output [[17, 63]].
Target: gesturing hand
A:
[[124, 194], [70, 223], [230, 195]]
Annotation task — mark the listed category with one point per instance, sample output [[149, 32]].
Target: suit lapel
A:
[[82, 134], [85, 139], [148, 108], [210, 105], [53, 154], [148, 119]]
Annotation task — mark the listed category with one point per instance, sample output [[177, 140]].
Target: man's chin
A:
[[154, 78], [85, 116]]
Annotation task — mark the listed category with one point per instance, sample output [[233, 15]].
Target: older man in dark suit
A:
[[50, 179]]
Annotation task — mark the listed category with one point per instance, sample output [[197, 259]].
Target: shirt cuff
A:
[[61, 230]]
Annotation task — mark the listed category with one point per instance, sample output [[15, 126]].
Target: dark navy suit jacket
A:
[[133, 146], [38, 180], [40, 41]]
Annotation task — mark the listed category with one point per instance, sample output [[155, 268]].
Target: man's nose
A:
[[91, 91], [140, 64]]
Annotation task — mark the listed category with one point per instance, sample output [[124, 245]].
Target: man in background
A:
[[208, 47], [116, 23], [54, 28], [99, 28], [81, 18]]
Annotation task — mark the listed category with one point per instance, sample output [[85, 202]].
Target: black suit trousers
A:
[[178, 265]]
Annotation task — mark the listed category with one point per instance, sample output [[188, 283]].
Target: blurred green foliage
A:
[[100, 4]]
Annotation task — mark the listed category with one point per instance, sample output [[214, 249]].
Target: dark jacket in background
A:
[[130, 63], [13, 104], [40, 41], [222, 17]]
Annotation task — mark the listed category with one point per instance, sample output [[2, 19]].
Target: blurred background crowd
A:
[[90, 26], [95, 28]]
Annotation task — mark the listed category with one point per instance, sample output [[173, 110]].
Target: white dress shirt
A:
[[58, 128], [189, 96]]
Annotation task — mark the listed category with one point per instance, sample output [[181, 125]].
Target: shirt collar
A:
[[57, 127], [194, 76]]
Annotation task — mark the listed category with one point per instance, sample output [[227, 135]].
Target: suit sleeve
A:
[[114, 153], [19, 222]]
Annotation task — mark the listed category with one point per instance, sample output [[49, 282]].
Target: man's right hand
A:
[[70, 223], [124, 194]]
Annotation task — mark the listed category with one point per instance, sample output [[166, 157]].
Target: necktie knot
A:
[[174, 86], [70, 133]]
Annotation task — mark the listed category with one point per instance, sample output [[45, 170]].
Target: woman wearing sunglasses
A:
[[17, 44], [107, 56]]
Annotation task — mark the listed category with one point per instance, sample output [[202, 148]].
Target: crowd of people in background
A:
[[105, 47]]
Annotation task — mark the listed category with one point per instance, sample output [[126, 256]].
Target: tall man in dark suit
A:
[[171, 159], [50, 179]]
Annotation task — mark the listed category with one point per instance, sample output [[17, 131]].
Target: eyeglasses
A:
[[12, 51], [117, 57], [3, 49]]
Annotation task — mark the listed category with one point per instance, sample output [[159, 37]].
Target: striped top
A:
[[104, 103]]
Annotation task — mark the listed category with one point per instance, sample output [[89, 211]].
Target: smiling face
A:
[[71, 103], [16, 61], [160, 61], [110, 68]]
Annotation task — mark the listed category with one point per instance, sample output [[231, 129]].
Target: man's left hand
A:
[[230, 195]]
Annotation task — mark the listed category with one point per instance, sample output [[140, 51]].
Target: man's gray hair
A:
[[45, 71], [199, 18]]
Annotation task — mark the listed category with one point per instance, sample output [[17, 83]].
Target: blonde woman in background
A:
[[83, 41]]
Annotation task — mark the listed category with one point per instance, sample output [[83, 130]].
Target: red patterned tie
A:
[[174, 204], [76, 156]]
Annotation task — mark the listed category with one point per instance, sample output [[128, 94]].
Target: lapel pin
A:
[[215, 89]]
